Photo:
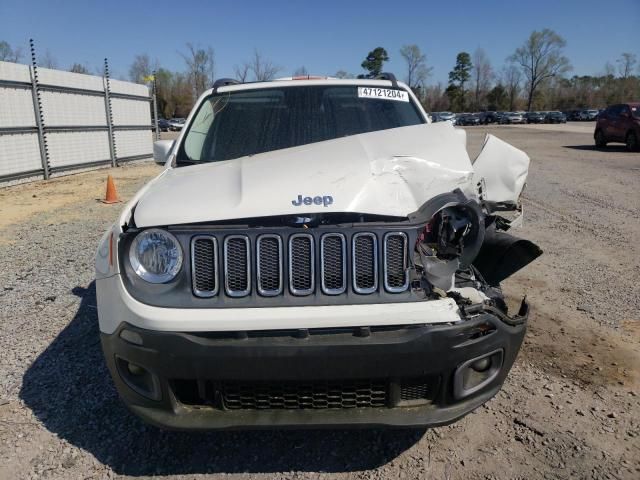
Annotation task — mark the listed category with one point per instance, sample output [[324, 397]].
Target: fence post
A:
[[155, 107], [38, 112], [107, 106]]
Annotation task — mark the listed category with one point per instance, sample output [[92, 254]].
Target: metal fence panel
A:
[[130, 112], [128, 88], [16, 107], [134, 143], [60, 78], [64, 109], [19, 153], [77, 148], [14, 72]]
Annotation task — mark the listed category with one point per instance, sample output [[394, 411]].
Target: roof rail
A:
[[388, 76], [223, 82]]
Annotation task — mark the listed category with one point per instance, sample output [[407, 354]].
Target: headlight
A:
[[156, 256]]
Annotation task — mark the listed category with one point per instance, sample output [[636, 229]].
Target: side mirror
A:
[[161, 150]]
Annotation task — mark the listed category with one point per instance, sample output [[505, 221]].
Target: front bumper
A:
[[186, 372]]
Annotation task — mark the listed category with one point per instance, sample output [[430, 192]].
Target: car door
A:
[[612, 126], [624, 123]]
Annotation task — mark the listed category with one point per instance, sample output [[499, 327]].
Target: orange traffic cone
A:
[[112, 195]]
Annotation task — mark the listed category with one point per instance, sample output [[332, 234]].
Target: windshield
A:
[[236, 124]]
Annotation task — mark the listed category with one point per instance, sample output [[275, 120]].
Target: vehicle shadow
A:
[[608, 148], [69, 390]]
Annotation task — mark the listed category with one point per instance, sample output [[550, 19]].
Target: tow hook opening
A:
[[476, 373]]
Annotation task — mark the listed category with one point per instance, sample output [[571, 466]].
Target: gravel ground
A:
[[569, 409]]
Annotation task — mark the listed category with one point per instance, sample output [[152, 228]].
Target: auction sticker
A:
[[383, 93]]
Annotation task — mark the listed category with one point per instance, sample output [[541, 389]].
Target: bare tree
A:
[[263, 69], [417, 70], [482, 74], [626, 64], [301, 72], [540, 58], [8, 54], [242, 72], [79, 68], [200, 67], [141, 68], [48, 60], [512, 78], [344, 74]]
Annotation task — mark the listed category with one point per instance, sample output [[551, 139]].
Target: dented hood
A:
[[391, 172]]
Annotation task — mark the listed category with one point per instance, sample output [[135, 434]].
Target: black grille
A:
[[204, 266], [237, 266], [333, 264], [395, 261], [269, 254], [365, 263], [414, 390], [304, 395], [301, 263], [280, 260]]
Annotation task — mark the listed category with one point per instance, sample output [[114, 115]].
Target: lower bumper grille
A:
[[302, 395], [295, 396]]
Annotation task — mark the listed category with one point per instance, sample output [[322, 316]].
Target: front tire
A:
[[601, 142], [632, 142]]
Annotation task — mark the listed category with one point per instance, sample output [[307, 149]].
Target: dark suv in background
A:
[[619, 123]]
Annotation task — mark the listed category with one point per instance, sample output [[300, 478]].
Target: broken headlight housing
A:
[[156, 256], [451, 238]]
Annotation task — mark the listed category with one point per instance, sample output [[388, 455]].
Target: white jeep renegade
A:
[[315, 252]]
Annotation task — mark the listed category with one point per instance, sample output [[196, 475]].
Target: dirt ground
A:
[[569, 409]]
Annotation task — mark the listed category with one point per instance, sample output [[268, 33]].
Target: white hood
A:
[[391, 172]]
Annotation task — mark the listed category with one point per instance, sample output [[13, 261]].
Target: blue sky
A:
[[324, 36]]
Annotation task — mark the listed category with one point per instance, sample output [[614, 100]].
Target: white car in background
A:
[[176, 124], [315, 253]]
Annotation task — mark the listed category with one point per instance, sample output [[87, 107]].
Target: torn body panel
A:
[[500, 172]]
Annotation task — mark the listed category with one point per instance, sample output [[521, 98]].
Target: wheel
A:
[[632, 142], [601, 142]]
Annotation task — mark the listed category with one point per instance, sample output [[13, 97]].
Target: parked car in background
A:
[[619, 123], [176, 124], [555, 117], [487, 118], [588, 115], [572, 115], [468, 119], [444, 117], [163, 124], [534, 117], [512, 118]]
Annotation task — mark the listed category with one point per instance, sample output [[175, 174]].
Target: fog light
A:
[[139, 379], [475, 374], [481, 365], [136, 370]]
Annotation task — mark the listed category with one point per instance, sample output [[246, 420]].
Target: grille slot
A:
[[269, 265], [414, 390], [365, 263], [301, 264], [333, 264], [237, 266], [395, 262], [304, 395], [204, 266]]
